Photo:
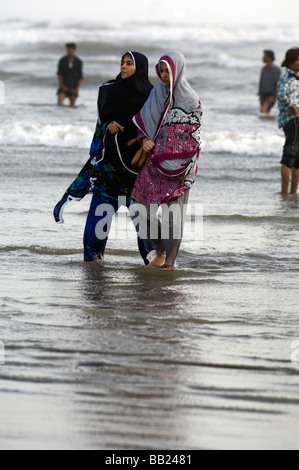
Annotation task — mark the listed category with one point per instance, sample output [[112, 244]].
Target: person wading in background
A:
[[288, 103], [70, 76], [270, 76]]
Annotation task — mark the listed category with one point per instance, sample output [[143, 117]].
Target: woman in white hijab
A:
[[169, 129]]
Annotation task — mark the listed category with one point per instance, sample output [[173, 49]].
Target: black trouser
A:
[[291, 131]]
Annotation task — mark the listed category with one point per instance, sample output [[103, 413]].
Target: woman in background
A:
[[288, 103]]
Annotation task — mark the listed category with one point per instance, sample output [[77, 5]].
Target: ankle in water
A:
[[168, 267]]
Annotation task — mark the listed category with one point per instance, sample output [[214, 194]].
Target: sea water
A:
[[114, 355]]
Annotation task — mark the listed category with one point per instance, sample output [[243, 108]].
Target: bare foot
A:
[[159, 261]]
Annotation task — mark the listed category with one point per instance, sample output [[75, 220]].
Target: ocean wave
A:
[[49, 136], [74, 136], [30, 32], [40, 250], [247, 143]]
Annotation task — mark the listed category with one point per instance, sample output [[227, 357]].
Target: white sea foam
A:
[[236, 142], [72, 136], [49, 136]]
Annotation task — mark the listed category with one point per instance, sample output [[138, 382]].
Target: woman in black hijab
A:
[[113, 175]]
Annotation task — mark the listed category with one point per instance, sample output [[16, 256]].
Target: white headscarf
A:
[[162, 98]]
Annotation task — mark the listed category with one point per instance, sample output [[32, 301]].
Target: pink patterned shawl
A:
[[171, 117]]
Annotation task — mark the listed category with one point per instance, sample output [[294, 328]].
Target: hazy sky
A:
[[201, 11]]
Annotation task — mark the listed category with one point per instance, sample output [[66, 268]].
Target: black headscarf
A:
[[120, 99]]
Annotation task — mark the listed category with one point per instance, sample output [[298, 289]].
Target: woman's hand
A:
[[148, 145], [114, 128], [293, 110]]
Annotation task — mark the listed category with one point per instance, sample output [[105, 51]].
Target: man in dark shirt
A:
[[270, 76], [70, 75]]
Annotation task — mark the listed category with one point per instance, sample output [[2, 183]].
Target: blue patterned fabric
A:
[[287, 94], [82, 185]]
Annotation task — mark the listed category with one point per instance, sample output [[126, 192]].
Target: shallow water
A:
[[117, 356]]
